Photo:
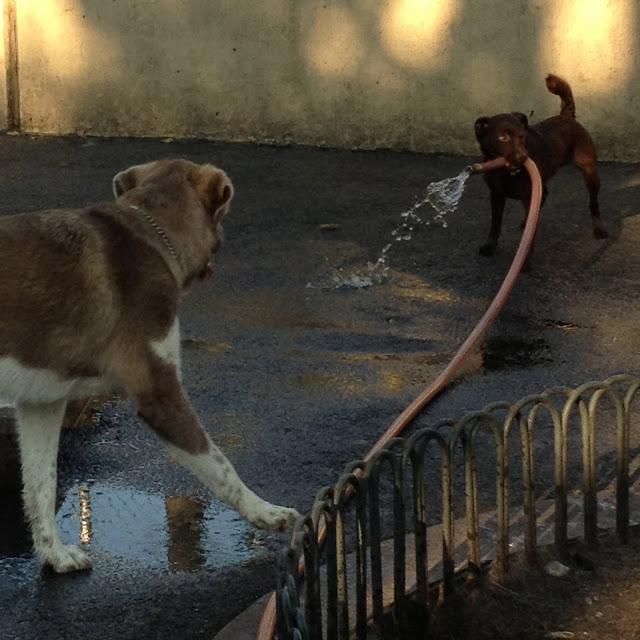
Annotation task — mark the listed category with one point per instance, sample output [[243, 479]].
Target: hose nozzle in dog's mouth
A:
[[489, 165]]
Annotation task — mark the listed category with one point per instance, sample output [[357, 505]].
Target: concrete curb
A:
[[245, 626]]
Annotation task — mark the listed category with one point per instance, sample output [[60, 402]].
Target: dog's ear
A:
[[524, 121], [215, 190], [124, 181], [481, 126]]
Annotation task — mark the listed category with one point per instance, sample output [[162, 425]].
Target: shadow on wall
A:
[[399, 73]]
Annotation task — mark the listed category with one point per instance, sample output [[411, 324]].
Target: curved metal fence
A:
[[451, 497]]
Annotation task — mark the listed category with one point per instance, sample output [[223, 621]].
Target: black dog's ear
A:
[[524, 121], [481, 126]]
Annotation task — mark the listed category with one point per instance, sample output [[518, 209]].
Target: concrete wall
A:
[[3, 92], [411, 74]]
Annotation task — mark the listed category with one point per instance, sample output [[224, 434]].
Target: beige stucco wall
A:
[[408, 74], [3, 92]]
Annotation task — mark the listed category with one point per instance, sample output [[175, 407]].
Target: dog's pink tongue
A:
[[209, 270]]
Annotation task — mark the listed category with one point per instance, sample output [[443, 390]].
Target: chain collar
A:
[[157, 228]]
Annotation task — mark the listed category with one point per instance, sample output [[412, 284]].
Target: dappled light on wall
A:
[[67, 43], [593, 41], [332, 42], [417, 33]]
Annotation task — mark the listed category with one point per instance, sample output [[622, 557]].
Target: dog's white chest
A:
[[19, 383]]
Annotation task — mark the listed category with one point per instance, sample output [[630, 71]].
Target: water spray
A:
[[443, 196]]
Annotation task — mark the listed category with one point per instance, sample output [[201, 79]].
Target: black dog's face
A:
[[503, 135]]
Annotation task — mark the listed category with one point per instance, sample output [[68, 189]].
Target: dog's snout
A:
[[517, 157]]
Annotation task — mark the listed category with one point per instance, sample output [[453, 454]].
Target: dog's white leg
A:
[[39, 435], [166, 408], [214, 470]]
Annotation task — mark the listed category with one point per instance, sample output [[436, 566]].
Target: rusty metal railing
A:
[[339, 596]]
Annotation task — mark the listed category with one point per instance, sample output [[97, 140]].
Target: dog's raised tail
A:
[[561, 88]]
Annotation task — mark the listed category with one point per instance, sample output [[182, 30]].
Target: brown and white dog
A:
[[88, 304]]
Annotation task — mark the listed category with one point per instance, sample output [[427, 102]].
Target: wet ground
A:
[[293, 381]]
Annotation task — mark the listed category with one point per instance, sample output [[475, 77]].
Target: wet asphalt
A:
[[294, 378]]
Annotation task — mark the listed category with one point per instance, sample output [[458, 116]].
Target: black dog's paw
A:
[[487, 249], [600, 232]]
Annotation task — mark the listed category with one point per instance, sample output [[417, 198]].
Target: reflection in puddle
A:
[[185, 519], [86, 529], [178, 532]]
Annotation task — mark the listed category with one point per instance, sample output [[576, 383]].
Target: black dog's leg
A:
[[585, 159], [497, 209], [592, 180]]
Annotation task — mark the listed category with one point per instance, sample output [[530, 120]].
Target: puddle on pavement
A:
[[506, 353], [178, 533]]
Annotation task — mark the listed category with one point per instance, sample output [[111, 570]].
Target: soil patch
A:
[[598, 598]]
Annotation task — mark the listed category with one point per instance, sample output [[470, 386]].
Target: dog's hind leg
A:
[[585, 160], [164, 406], [38, 429]]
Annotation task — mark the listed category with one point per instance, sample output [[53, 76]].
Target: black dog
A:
[[551, 144]]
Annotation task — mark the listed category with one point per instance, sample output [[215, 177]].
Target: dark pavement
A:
[[294, 381]]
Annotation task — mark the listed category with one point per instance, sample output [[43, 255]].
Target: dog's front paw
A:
[[271, 517], [487, 249], [66, 558]]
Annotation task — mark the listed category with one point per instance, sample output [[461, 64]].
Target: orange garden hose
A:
[[267, 624]]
